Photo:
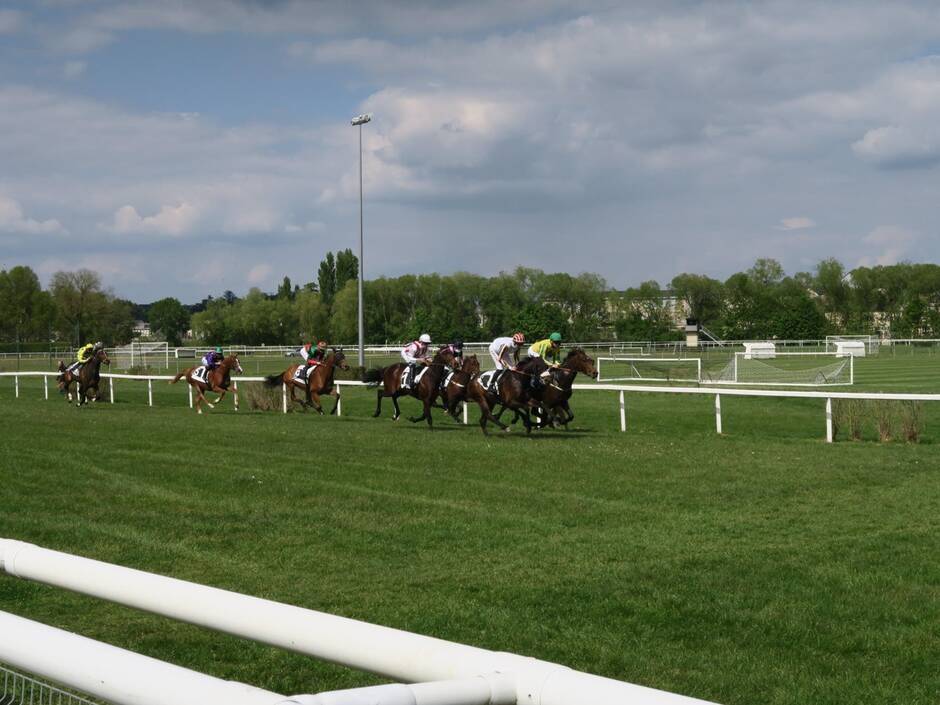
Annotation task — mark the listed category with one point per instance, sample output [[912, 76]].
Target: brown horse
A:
[[219, 381], [87, 377], [319, 381], [454, 386], [511, 391], [554, 395], [426, 390]]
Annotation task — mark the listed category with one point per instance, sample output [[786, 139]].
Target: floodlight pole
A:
[[359, 121]]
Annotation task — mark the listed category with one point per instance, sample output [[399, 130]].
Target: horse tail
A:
[[373, 376], [179, 377], [273, 380]]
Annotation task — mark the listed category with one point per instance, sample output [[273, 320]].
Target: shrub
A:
[[884, 413], [257, 397], [912, 420]]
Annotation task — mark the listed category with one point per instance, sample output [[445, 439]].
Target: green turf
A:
[[762, 566]]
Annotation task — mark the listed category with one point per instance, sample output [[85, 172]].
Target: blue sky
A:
[[186, 148]]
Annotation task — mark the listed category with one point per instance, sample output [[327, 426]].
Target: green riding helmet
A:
[[219, 350], [555, 337]]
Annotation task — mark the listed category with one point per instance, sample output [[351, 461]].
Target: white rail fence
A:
[[621, 389], [439, 672]]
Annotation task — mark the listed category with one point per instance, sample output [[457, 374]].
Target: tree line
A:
[[762, 302]]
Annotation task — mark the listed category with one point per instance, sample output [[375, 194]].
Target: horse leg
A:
[[397, 408], [220, 392], [335, 395], [201, 397], [378, 402], [316, 402]]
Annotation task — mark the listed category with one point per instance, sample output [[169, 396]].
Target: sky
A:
[[192, 147]]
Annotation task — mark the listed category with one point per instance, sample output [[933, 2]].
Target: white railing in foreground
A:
[[446, 670], [713, 389]]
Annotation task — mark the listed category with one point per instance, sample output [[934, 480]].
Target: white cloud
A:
[[170, 220], [259, 274], [891, 242], [74, 69], [13, 220], [796, 223]]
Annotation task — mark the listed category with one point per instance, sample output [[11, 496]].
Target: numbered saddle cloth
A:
[[300, 374], [200, 374]]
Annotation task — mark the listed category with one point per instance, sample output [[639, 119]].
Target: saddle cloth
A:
[[300, 374], [489, 378], [199, 374], [414, 383]]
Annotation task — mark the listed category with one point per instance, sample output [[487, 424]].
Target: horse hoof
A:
[[211, 406], [200, 411]]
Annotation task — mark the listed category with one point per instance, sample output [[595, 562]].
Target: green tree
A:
[[285, 291], [344, 318], [347, 268], [84, 311], [326, 279], [702, 295], [169, 318], [26, 310]]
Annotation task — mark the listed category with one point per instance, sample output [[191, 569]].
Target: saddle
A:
[[489, 380], [200, 374]]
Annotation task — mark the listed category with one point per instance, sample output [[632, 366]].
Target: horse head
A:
[[339, 359], [232, 363], [447, 356], [470, 365], [579, 361], [103, 357]]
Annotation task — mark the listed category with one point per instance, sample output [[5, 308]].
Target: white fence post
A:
[[189, 388], [718, 414], [235, 392], [828, 420], [150, 392], [45, 385], [339, 399], [284, 397], [111, 388], [465, 419], [16, 383], [623, 413]]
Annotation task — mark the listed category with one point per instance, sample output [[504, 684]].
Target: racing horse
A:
[[319, 381], [87, 377], [454, 386], [553, 396], [511, 391], [219, 380], [426, 390]]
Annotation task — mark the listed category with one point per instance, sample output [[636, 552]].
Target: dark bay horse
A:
[[87, 377], [219, 380], [427, 389], [319, 381], [454, 386], [512, 392], [554, 395]]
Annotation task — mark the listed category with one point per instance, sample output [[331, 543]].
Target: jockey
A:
[[413, 353], [313, 355], [505, 351], [212, 359], [505, 354], [83, 355], [543, 355], [456, 348]]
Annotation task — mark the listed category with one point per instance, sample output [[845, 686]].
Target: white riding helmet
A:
[[425, 338]]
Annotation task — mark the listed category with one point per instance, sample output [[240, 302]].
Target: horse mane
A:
[[573, 352]]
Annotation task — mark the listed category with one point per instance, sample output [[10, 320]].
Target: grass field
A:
[[761, 566]]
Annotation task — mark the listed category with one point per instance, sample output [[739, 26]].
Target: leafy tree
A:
[[313, 317], [643, 314], [702, 295], [347, 268], [326, 278], [169, 318], [26, 310], [284, 291], [344, 319]]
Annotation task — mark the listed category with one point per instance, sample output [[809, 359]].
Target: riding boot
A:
[[410, 377]]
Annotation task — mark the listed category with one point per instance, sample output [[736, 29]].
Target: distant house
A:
[[141, 329], [668, 299]]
